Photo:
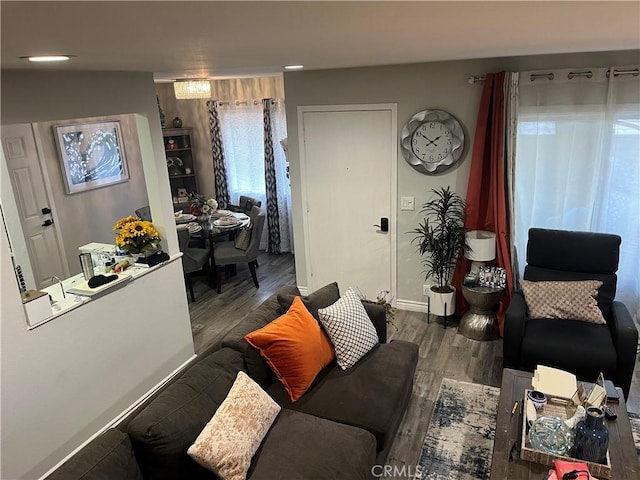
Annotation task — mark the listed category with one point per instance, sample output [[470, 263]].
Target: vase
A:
[[177, 122], [442, 304], [592, 437]]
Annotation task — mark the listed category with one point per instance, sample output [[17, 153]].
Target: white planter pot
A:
[[437, 302]]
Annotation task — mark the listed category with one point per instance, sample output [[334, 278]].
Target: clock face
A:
[[431, 142]]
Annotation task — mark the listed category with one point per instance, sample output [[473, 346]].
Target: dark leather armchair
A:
[[582, 348]]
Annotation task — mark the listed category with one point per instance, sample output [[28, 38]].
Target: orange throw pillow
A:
[[295, 347]]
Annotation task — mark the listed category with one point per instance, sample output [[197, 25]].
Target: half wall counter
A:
[[66, 295]]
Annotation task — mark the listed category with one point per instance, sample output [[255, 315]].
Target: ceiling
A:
[[180, 39]]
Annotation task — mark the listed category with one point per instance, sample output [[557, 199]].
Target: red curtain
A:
[[486, 190]]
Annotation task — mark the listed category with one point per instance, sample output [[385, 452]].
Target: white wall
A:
[[437, 85], [65, 380]]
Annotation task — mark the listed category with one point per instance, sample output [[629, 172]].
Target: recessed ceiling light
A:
[[293, 67], [48, 58]]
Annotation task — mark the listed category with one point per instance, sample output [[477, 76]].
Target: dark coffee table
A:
[[622, 451]]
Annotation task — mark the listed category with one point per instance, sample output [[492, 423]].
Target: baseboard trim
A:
[[411, 305], [122, 415], [303, 290]]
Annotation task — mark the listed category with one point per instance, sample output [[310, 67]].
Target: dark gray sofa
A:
[[343, 425]]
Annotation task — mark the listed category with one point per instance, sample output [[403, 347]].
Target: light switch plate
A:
[[407, 203]]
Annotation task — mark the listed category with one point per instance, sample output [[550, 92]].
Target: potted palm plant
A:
[[441, 235]]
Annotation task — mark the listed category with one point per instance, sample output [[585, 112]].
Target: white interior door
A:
[[348, 163], [32, 201]]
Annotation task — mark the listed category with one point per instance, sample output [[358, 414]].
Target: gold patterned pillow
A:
[[565, 300], [234, 433]]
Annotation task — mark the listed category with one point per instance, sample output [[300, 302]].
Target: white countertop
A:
[[61, 305]]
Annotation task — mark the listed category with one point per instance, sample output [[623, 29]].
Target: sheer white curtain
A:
[[578, 161], [241, 125]]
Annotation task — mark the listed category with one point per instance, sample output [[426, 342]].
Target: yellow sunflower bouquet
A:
[[136, 235]]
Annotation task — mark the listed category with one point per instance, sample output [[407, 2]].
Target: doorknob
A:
[[384, 224], [46, 223], [46, 211]]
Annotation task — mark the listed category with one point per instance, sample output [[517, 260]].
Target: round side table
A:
[[480, 322]]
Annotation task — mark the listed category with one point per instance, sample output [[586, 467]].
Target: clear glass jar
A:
[[550, 435]]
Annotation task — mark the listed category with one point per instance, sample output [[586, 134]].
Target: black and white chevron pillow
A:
[[349, 328]]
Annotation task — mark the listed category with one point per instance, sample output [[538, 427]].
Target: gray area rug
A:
[[459, 440]]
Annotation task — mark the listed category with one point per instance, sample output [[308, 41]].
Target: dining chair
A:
[[226, 253], [144, 213], [245, 204], [193, 260]]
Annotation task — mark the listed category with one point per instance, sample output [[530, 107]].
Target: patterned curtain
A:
[[217, 152], [273, 217]]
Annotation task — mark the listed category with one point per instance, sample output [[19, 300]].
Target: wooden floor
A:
[[443, 352], [213, 314]]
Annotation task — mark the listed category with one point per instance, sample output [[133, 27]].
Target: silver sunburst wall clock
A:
[[432, 141]]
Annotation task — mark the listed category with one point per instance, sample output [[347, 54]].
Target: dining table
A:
[[212, 228]]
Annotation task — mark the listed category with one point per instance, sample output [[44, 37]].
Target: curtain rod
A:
[[237, 103], [476, 79], [550, 76]]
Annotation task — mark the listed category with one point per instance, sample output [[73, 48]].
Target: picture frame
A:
[[494, 277], [92, 155]]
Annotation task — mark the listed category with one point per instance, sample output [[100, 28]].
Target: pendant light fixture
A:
[[190, 89]]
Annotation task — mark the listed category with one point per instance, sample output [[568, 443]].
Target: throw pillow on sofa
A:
[[349, 329], [321, 298], [234, 433], [574, 300], [295, 347]]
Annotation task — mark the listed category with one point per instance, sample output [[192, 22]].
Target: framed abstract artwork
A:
[[92, 155]]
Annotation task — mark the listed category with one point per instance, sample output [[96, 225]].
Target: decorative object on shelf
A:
[[136, 236], [171, 144], [432, 141], [470, 280], [592, 437], [482, 248], [174, 165], [192, 89], [200, 205], [441, 235], [177, 122], [493, 277], [187, 171], [162, 117], [550, 435], [92, 155]]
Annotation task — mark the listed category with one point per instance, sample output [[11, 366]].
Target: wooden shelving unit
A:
[[181, 162]]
